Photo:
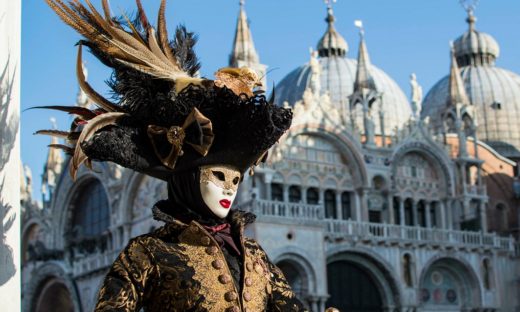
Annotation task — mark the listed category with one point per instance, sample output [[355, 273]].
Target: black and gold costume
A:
[[181, 267], [168, 123]]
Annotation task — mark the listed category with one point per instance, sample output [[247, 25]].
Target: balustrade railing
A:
[[400, 233], [283, 209], [379, 231]]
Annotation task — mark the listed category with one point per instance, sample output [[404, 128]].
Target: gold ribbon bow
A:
[[167, 143]]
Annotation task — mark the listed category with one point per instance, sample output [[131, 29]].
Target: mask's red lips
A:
[[225, 203]]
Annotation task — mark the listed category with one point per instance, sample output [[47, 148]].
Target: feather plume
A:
[[91, 93], [185, 54], [129, 49], [55, 133], [142, 15], [92, 126], [106, 11], [70, 136], [163, 34], [67, 149], [84, 113]]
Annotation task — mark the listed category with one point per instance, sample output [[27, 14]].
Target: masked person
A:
[[200, 136]]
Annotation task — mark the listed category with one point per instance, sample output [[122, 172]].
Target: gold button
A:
[[247, 296], [249, 281], [249, 266], [230, 296], [224, 278], [205, 241], [211, 250], [233, 309], [258, 268], [217, 264]]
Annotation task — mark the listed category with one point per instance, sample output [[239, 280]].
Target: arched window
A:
[[295, 194], [91, 211], [486, 273], [276, 192], [330, 204], [313, 196], [407, 270], [346, 206]]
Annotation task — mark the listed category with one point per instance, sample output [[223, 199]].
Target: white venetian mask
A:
[[218, 186]]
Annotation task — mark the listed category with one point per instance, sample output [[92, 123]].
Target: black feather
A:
[[183, 49]]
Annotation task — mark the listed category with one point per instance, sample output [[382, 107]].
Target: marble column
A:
[[357, 205], [442, 215], [402, 219], [390, 208], [449, 214], [339, 213], [286, 193], [483, 216], [427, 207], [364, 204], [415, 219]]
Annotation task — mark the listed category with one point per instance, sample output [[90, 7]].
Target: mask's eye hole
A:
[[236, 180], [219, 175]]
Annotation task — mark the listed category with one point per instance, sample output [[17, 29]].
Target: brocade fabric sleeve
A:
[[281, 298], [125, 285]]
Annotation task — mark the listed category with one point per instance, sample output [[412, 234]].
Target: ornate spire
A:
[[457, 91], [332, 43], [52, 168], [243, 45], [363, 78], [244, 53]]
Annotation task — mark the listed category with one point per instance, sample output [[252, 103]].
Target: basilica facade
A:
[[371, 202]]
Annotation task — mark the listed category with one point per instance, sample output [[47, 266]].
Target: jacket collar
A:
[[237, 218]]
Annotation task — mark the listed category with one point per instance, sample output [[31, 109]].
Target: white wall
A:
[[10, 26]]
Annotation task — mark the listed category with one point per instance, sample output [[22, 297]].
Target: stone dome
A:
[[495, 93], [337, 77]]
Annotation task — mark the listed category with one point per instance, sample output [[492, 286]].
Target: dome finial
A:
[[330, 13], [470, 6], [332, 43]]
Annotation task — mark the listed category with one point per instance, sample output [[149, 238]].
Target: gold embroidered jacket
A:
[[180, 267]]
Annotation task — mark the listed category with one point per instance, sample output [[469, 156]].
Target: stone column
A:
[[442, 214], [449, 214], [10, 212], [402, 219], [390, 207], [357, 206], [483, 216], [382, 122], [415, 219], [304, 195], [427, 207], [285, 193], [364, 204], [268, 192], [339, 213]]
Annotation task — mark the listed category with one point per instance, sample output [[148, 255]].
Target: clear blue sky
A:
[[403, 36]]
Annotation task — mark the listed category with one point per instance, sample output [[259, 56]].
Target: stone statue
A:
[[417, 95]]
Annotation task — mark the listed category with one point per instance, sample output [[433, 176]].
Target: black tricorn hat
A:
[[165, 120]]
